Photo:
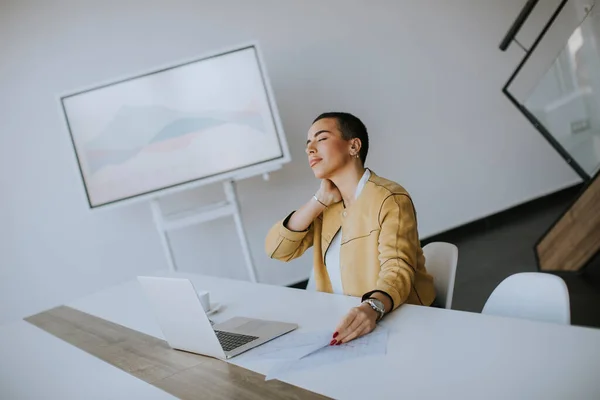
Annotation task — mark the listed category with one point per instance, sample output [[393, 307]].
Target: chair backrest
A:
[[441, 259], [531, 295]]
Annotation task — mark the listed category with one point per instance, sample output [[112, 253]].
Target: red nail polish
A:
[[335, 335], [332, 342], [338, 343]]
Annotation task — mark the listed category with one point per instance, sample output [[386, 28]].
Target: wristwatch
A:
[[376, 305]]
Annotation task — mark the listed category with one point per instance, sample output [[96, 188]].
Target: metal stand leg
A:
[[231, 194], [204, 214], [164, 239]]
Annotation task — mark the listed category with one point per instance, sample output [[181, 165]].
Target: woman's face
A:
[[327, 151]]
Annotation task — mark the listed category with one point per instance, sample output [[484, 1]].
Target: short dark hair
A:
[[351, 127]]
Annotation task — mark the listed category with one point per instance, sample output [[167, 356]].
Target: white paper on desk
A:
[[291, 346], [373, 344]]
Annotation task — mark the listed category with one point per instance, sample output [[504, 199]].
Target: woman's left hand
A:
[[358, 322]]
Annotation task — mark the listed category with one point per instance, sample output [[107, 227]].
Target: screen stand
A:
[[230, 207]]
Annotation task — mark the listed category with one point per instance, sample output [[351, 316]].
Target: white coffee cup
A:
[[204, 297]]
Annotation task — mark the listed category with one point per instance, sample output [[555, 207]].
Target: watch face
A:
[[379, 304]]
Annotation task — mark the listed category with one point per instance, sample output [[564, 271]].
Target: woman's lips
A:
[[314, 161]]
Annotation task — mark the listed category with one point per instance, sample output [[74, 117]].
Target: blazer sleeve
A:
[[284, 244], [398, 248]]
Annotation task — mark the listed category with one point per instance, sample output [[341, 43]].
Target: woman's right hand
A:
[[328, 193]]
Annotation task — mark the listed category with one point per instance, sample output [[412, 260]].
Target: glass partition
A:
[[557, 86], [566, 100]]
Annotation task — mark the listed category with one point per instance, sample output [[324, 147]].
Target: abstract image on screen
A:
[[180, 125]]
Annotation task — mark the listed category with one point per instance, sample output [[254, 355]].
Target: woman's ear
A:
[[355, 145]]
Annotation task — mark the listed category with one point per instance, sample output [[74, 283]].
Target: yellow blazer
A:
[[380, 247]]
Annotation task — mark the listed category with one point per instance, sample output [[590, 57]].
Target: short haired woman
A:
[[363, 229]]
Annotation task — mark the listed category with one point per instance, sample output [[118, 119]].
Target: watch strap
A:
[[376, 305], [369, 295]]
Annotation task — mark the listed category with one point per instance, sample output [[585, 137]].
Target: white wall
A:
[[425, 76]]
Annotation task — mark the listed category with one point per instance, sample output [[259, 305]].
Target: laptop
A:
[[186, 326]]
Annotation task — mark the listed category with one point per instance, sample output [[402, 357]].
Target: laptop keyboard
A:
[[231, 341]]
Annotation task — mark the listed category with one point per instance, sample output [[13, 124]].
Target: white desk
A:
[[432, 353], [37, 365]]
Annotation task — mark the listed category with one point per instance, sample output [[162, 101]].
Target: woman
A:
[[363, 229]]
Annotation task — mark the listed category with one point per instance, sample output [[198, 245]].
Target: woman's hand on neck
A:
[[347, 180]]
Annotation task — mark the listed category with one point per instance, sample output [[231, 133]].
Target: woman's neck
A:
[[347, 180]]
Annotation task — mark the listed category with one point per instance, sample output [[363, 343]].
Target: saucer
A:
[[214, 307]]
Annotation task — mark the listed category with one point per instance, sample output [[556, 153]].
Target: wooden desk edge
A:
[[181, 374]]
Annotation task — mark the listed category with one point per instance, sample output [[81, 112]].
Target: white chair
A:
[[441, 259], [531, 295]]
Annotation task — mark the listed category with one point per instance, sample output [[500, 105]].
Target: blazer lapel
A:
[[332, 221]]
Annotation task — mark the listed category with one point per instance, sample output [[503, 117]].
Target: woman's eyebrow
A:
[[317, 134]]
